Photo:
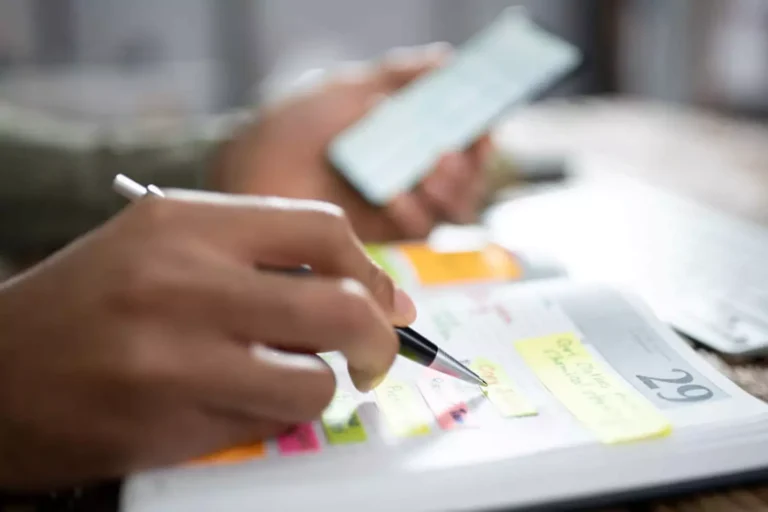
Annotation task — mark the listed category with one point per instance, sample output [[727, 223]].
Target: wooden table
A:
[[719, 161]]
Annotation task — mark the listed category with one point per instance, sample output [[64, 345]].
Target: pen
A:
[[413, 346]]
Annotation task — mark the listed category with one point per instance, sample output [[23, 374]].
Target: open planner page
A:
[[570, 368]]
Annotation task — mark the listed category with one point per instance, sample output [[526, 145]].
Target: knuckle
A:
[[140, 285], [295, 308], [153, 213], [352, 311], [141, 364]]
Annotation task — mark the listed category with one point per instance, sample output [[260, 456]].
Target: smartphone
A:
[[392, 148]]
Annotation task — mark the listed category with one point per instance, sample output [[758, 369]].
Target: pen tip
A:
[[483, 383]]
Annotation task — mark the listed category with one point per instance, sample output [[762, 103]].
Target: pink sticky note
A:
[[301, 439], [454, 416]]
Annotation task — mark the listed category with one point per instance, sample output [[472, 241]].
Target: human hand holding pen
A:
[[140, 351], [413, 345]]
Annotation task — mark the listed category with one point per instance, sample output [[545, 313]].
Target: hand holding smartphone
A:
[[395, 145]]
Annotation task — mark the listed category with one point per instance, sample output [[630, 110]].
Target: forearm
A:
[[55, 176]]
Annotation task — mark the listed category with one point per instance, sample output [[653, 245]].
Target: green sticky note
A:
[[341, 422], [378, 253]]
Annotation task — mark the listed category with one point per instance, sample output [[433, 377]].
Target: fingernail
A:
[[405, 309], [363, 382], [374, 383], [377, 381]]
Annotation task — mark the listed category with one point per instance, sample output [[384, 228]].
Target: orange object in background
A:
[[492, 263], [233, 455]]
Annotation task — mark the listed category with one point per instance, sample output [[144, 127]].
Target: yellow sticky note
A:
[[500, 390], [492, 263], [406, 414], [341, 422], [613, 410]]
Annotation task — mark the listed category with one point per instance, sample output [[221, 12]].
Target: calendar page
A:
[[571, 369]]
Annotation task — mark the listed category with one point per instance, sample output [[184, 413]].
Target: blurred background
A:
[[678, 88], [105, 58]]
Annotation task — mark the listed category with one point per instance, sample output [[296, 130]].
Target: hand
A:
[[133, 347], [285, 154]]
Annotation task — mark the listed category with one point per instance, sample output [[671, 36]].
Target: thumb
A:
[[403, 65]]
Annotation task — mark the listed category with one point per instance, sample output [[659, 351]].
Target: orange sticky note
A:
[[493, 263], [234, 455]]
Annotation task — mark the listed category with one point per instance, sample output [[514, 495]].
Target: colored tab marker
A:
[[447, 404], [300, 439], [380, 254], [491, 263], [341, 422], [500, 391], [613, 410], [406, 414], [234, 455]]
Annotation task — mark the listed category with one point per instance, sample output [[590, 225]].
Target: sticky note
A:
[[405, 411], [492, 263], [379, 254], [446, 403], [300, 439], [610, 408], [234, 455], [341, 423], [501, 392]]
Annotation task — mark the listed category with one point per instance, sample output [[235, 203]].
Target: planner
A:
[[590, 398]]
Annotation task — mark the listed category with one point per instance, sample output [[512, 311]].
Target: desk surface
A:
[[718, 161], [721, 162]]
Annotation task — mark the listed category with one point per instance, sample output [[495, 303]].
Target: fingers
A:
[[327, 244], [349, 304], [307, 314], [208, 430], [263, 383], [289, 233], [482, 150], [402, 65], [452, 189], [451, 193], [413, 217]]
